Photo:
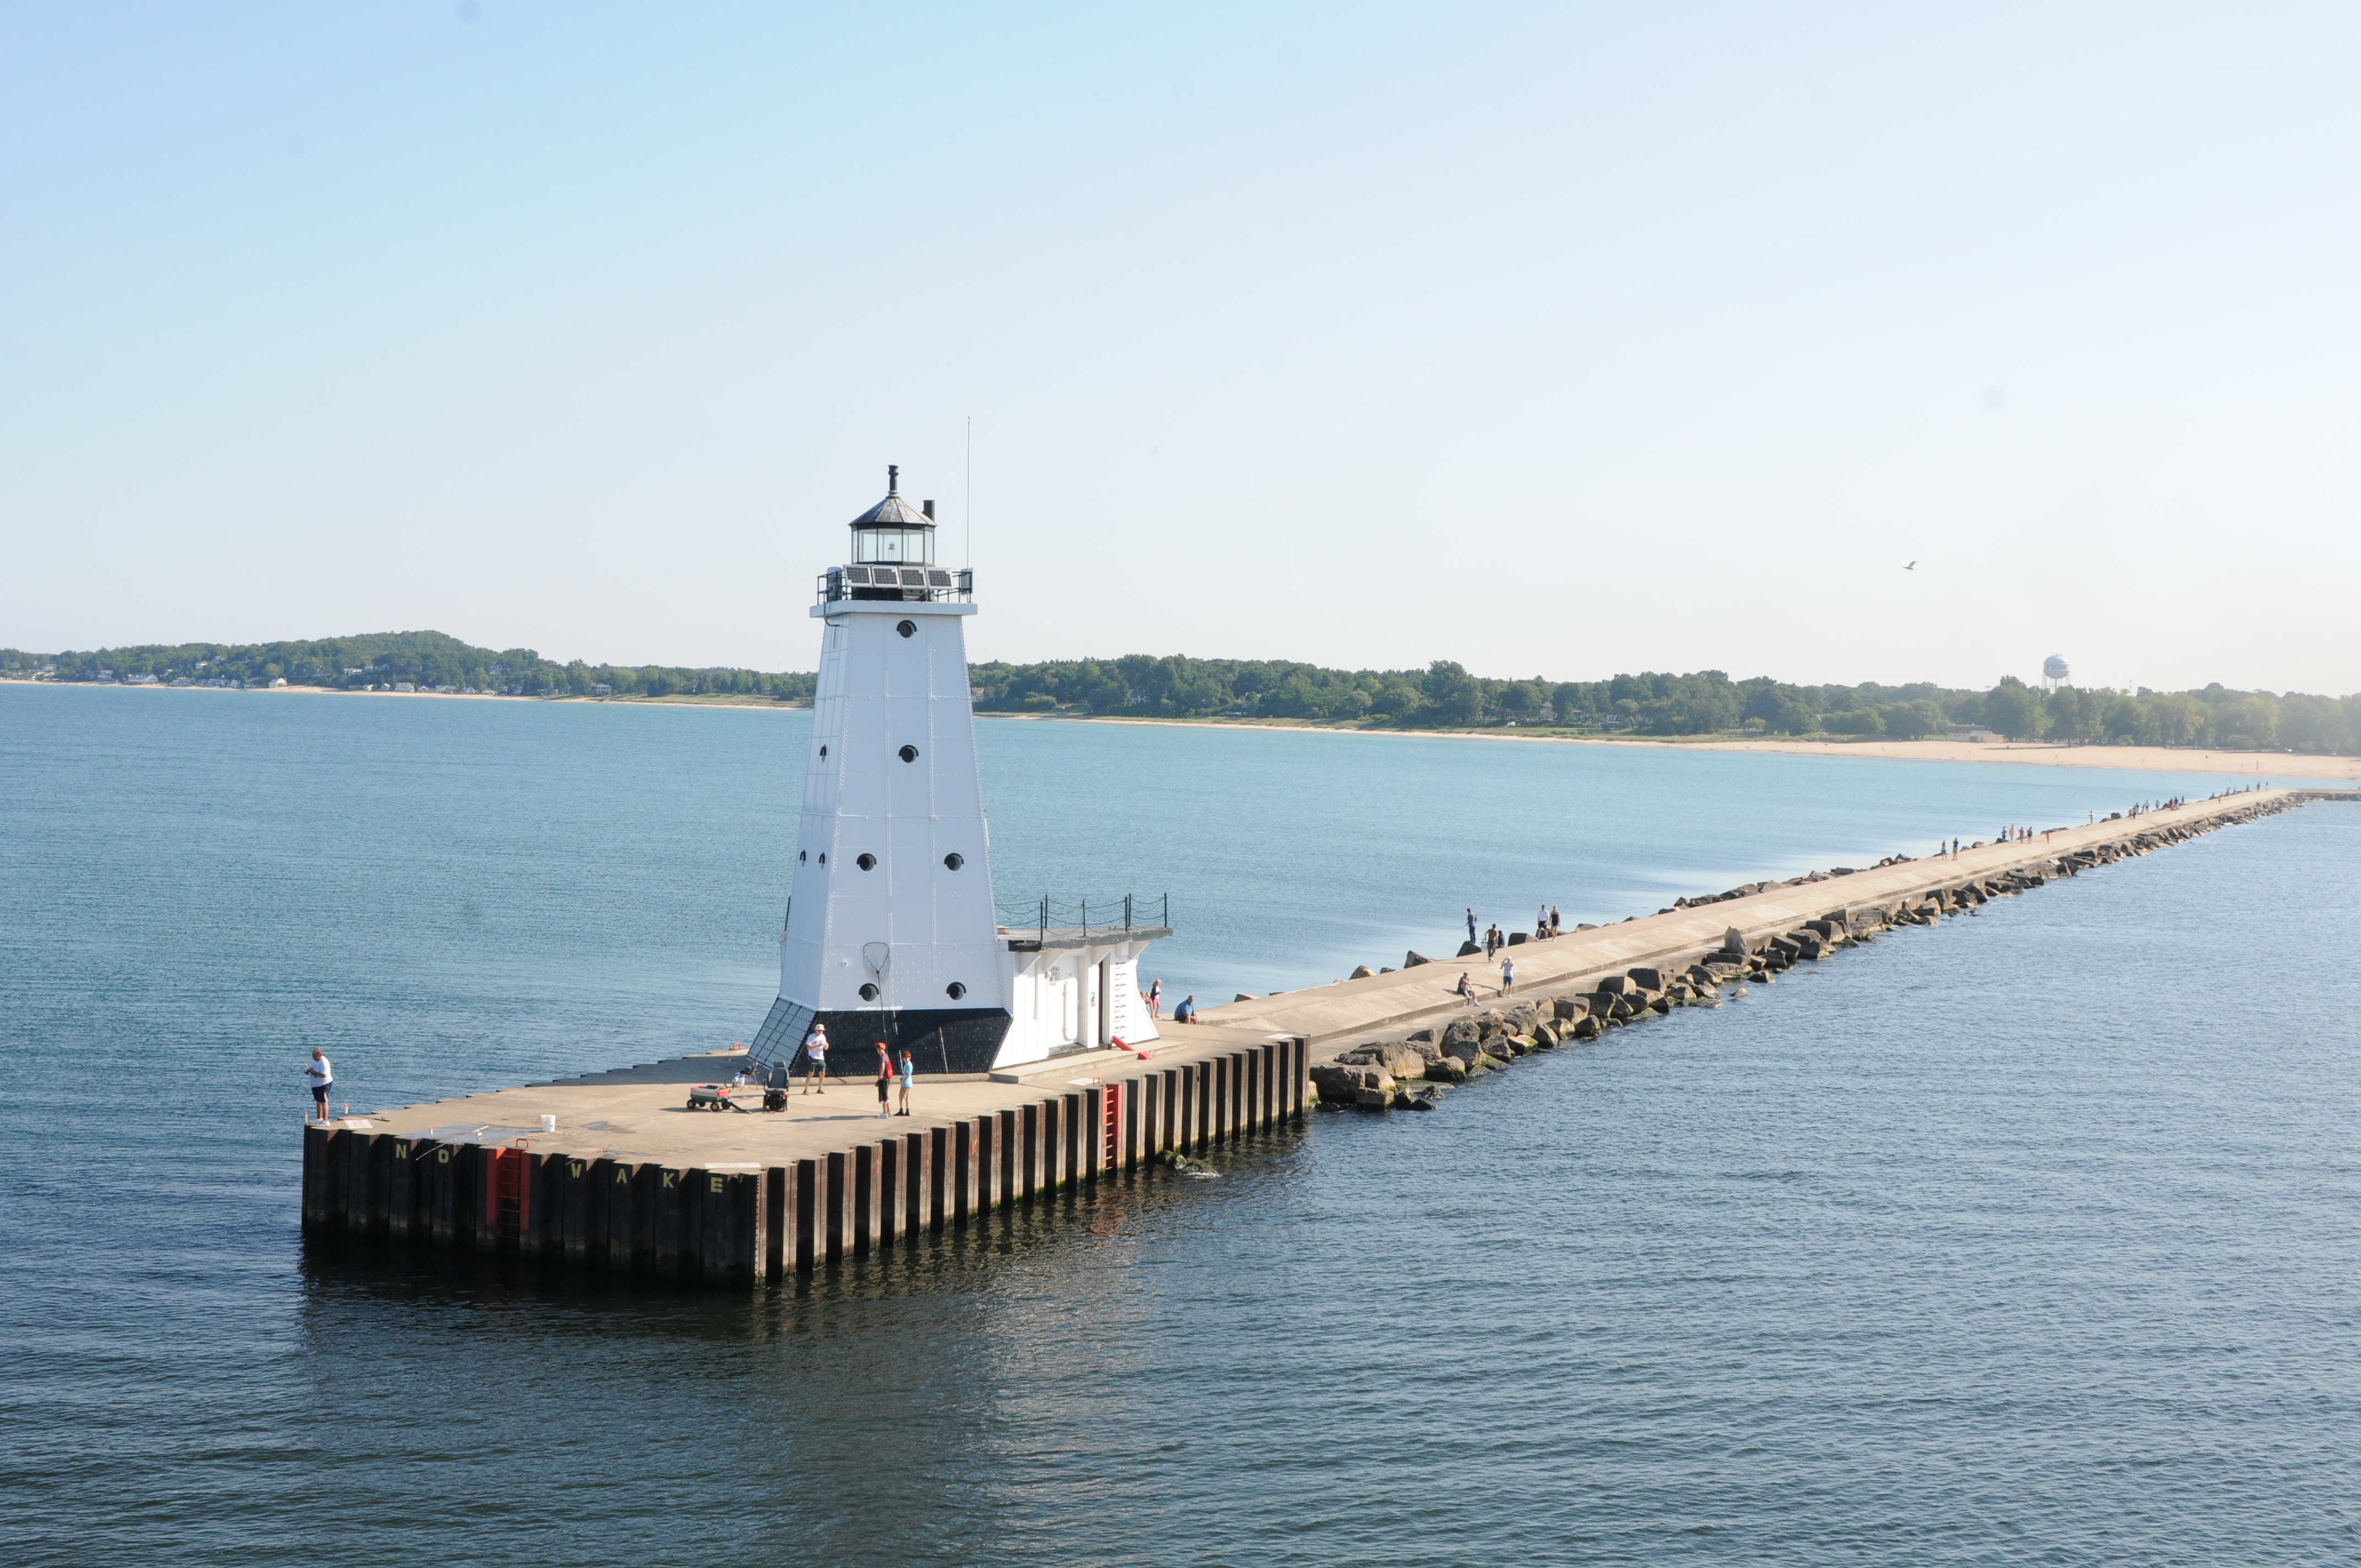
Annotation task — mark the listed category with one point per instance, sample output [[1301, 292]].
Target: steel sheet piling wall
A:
[[836, 1217], [724, 1228], [961, 1176], [807, 1211]]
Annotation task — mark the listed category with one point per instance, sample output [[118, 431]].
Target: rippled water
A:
[[2032, 1237]]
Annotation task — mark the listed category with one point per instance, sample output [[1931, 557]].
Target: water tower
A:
[[2054, 672]]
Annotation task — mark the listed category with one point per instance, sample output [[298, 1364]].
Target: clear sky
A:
[[1557, 340]]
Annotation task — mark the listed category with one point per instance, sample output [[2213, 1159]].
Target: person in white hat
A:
[[815, 1059]]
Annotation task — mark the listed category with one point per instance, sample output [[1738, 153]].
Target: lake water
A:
[[2033, 1237]]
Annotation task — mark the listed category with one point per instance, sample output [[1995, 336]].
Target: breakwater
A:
[[1573, 999], [630, 1179]]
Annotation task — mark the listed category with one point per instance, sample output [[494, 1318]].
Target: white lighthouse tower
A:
[[891, 932]]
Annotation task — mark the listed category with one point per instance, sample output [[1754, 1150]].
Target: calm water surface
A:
[[2030, 1238]]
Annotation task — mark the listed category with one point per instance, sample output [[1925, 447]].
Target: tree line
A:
[[1444, 696], [429, 660]]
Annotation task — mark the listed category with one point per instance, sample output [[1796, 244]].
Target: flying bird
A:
[[1912, 568]]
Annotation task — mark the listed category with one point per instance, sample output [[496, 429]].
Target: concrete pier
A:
[[633, 1181]]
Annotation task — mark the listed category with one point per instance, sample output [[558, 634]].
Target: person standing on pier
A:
[[1471, 924], [815, 1059], [909, 1072], [321, 1076], [1508, 976], [884, 1080], [1156, 999], [1553, 921]]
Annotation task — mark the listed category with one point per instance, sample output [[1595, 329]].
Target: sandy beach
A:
[[2282, 766], [2278, 766]]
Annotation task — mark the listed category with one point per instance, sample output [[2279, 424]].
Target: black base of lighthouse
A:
[[940, 1039]]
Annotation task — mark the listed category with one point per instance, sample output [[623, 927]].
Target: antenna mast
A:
[[969, 507]]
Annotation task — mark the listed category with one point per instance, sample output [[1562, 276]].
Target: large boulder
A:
[[1733, 940], [1463, 1039], [1523, 1016], [1586, 1027], [1647, 979], [1615, 984], [1360, 971], [1469, 949], [1545, 1034], [1492, 1022], [1397, 1056], [1412, 959], [1568, 1007], [1345, 1082], [1450, 1070], [1516, 938]]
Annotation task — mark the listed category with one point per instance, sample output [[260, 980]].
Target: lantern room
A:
[[892, 533]]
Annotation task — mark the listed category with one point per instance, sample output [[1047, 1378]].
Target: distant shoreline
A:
[[685, 700], [2025, 754]]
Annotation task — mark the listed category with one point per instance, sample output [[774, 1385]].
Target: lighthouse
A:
[[891, 932]]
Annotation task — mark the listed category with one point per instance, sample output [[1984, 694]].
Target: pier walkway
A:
[[1335, 1014], [632, 1179]]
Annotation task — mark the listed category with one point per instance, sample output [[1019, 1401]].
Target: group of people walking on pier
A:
[[1546, 925]]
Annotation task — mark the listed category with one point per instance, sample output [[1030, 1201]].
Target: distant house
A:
[[279, 680], [1973, 735], [405, 686], [602, 689]]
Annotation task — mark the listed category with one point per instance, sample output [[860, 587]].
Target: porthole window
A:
[[952, 862], [823, 857], [866, 863], [868, 993], [909, 753], [823, 751], [907, 628], [802, 855], [955, 991]]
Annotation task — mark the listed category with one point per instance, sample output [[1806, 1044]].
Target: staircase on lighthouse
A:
[[891, 932]]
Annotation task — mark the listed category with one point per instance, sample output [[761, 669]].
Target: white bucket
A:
[[549, 1123]]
